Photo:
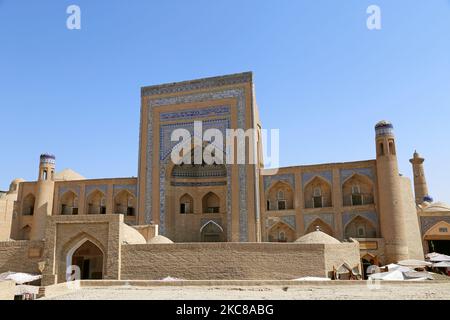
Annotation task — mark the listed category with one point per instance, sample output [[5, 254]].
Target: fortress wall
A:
[[20, 256], [222, 261]]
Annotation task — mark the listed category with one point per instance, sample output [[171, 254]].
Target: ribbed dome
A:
[[383, 124], [317, 237], [160, 240]]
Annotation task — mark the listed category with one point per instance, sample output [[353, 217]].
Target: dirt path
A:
[[427, 290]]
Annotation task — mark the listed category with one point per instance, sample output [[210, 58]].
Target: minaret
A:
[[391, 211], [420, 183], [44, 196]]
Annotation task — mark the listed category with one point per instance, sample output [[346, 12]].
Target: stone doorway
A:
[[89, 258]]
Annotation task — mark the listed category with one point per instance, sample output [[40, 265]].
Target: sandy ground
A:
[[427, 290]]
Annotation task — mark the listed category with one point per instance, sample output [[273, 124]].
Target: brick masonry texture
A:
[[222, 261], [14, 256]]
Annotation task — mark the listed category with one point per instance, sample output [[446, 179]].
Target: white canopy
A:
[[439, 258], [395, 275], [442, 264], [412, 263], [393, 266], [431, 255], [19, 278]]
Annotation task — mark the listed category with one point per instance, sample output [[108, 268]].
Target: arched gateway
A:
[[89, 258]]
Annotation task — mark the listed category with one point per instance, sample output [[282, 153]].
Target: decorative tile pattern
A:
[[74, 189], [289, 220], [91, 188], [130, 188], [239, 95], [269, 180], [308, 176], [229, 201], [195, 114], [198, 184], [197, 84], [166, 145], [349, 216], [426, 223], [368, 172], [328, 218]]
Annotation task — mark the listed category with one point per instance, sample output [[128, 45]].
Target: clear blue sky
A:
[[321, 77]]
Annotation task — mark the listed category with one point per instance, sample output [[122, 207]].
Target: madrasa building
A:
[[219, 220]]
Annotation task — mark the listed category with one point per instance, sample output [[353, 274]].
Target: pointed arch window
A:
[[186, 204], [357, 197], [317, 198], [211, 203], [125, 203], [281, 200]]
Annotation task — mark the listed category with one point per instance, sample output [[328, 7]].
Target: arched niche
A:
[[68, 203], [96, 203], [88, 257], [280, 197], [211, 231], [125, 203], [317, 193], [186, 204], [322, 225], [360, 227], [281, 232], [357, 190], [211, 203]]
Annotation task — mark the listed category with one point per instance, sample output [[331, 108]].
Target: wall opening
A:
[[89, 258]]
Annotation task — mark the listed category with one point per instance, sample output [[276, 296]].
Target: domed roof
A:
[[160, 240], [437, 206], [131, 235], [383, 123], [18, 180], [68, 175], [317, 237], [48, 155]]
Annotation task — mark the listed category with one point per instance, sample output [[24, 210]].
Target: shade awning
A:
[[19, 277], [439, 258], [442, 264], [395, 275], [412, 263], [393, 266]]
